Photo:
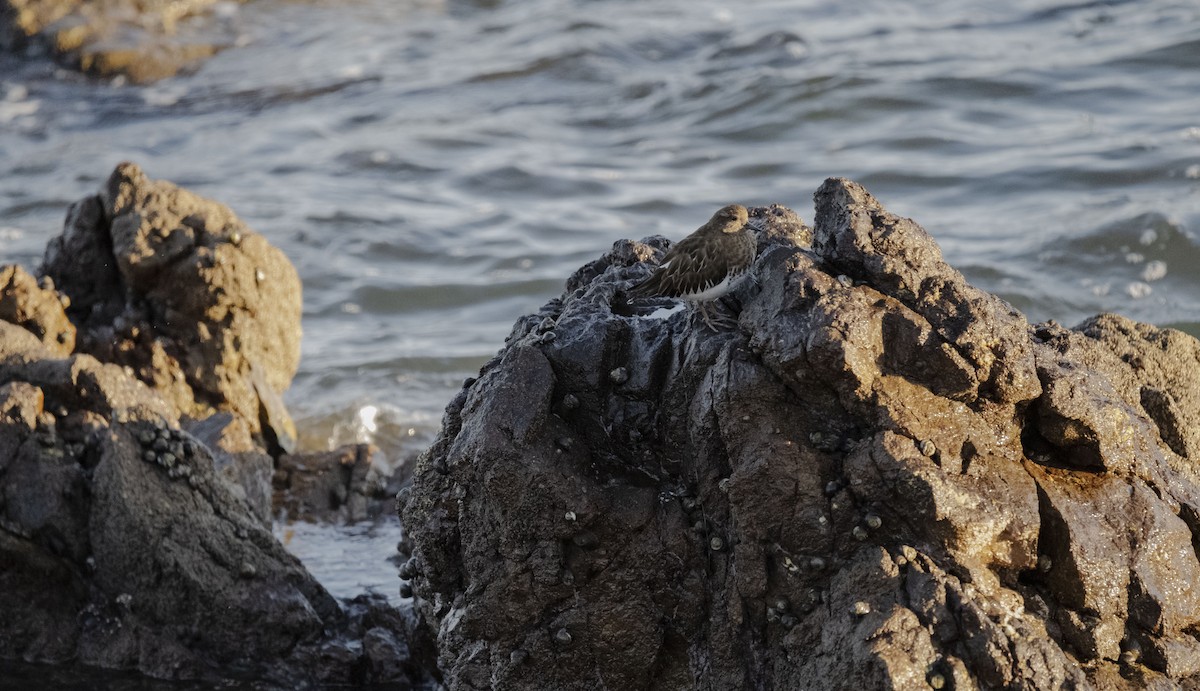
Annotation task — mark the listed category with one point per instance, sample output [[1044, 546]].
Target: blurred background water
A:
[[436, 169]]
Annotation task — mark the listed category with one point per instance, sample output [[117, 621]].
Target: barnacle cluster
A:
[[169, 449]]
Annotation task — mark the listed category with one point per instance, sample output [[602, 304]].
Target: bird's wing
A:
[[690, 266]]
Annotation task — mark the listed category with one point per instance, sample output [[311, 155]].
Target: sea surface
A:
[[436, 169]]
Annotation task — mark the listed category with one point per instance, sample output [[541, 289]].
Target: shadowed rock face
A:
[[120, 544], [883, 478]]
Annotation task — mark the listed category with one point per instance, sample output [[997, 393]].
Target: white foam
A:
[[359, 429], [1138, 290], [366, 423], [162, 96], [1154, 270], [11, 110]]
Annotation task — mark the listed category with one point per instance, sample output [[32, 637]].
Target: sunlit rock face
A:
[[881, 476], [137, 40]]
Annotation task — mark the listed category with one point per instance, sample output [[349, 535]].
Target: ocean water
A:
[[436, 169]]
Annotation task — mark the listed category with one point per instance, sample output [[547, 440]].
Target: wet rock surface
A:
[[142, 40], [882, 478], [136, 458], [346, 485]]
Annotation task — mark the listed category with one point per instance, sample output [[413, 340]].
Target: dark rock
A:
[[143, 40], [120, 565], [344, 485], [778, 225], [1026, 498], [396, 649], [238, 458]]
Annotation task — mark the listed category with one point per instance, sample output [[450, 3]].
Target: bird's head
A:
[[730, 219]]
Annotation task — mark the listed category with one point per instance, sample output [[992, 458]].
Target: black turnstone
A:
[[706, 264]]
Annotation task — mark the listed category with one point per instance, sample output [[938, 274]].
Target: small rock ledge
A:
[[883, 478]]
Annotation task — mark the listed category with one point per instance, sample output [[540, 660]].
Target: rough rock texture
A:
[[238, 458], [120, 547], [39, 310], [177, 288], [134, 519], [143, 40], [883, 478]]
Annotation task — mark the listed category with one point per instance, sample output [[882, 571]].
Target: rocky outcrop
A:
[[178, 289], [139, 389], [143, 40], [882, 478]]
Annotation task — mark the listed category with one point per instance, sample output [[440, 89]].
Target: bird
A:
[[705, 265]]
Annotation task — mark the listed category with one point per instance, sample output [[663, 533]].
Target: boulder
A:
[[883, 477], [178, 289], [142, 40]]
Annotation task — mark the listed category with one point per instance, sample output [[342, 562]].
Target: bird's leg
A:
[[729, 321], [730, 303], [714, 322], [703, 307], [727, 314]]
